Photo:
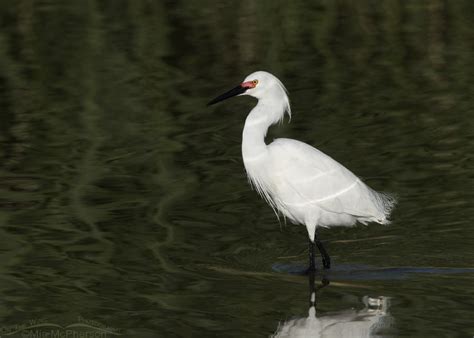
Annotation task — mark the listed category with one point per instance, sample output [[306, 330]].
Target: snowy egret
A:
[[302, 183]]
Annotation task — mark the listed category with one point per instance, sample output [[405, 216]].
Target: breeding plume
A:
[[302, 183]]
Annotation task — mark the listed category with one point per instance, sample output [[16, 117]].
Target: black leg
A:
[[312, 264], [324, 254]]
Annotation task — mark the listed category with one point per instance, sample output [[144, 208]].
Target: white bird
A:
[[305, 185]]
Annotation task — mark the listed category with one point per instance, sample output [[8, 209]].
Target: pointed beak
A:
[[233, 92]]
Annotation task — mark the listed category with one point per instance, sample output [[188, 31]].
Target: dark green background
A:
[[123, 198]]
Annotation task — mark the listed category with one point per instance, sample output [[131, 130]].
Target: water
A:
[[123, 198]]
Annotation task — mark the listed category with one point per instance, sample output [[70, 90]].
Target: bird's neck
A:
[[256, 126]]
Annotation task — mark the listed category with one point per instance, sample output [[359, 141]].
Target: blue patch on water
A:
[[366, 272]]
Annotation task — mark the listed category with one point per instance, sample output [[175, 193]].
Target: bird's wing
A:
[[303, 176]]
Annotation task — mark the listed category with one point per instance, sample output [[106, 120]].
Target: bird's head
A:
[[260, 84]]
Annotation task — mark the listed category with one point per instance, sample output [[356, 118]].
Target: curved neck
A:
[[262, 116]]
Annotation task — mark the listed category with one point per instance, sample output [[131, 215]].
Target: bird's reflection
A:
[[368, 322]]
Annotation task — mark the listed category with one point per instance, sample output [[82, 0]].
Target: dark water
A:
[[123, 198]]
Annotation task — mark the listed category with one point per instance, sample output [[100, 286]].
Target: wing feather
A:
[[303, 176]]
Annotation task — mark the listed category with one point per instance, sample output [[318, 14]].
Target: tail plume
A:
[[385, 203]]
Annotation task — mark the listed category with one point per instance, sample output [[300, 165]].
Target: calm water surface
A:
[[123, 198]]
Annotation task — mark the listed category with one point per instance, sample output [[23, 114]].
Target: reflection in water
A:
[[368, 322]]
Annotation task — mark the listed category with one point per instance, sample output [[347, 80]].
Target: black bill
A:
[[233, 92]]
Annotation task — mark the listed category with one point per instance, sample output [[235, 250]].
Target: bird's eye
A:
[[255, 82]]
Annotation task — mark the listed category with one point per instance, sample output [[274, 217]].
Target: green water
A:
[[123, 198]]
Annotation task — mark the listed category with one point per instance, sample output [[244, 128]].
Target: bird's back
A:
[[307, 186]]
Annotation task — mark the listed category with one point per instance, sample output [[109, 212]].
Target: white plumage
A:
[[302, 183]]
